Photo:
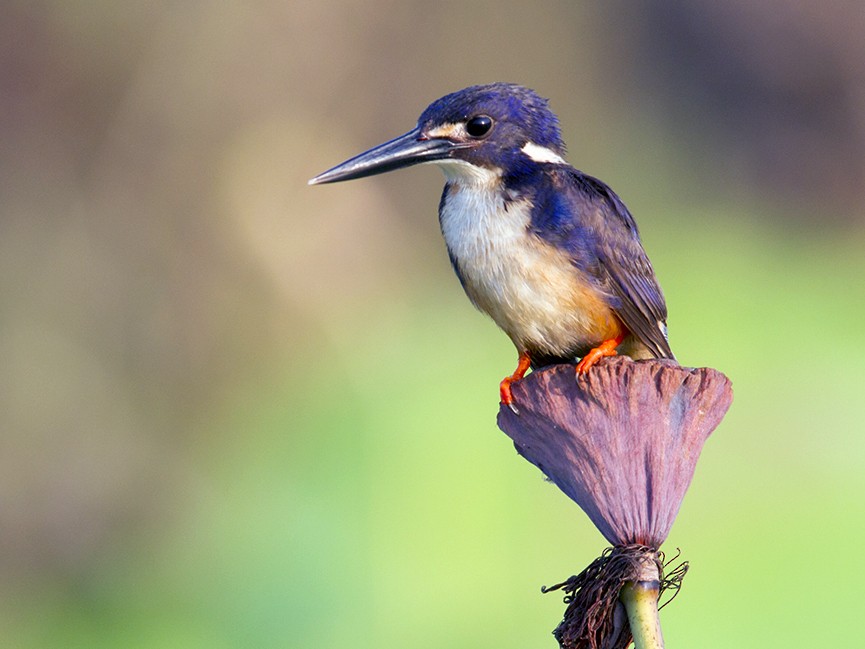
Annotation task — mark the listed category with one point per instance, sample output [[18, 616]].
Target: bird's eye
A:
[[479, 125]]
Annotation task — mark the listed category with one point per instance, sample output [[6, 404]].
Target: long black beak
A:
[[404, 151]]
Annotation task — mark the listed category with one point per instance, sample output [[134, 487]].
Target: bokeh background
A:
[[236, 411]]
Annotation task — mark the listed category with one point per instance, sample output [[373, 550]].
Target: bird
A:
[[550, 253]]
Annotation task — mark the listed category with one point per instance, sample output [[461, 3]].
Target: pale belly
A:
[[529, 288]]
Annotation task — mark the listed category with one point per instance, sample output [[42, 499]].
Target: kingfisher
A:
[[550, 253]]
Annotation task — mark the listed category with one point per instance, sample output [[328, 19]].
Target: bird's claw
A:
[[507, 398], [505, 386], [606, 348]]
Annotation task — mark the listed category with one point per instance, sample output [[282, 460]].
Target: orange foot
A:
[[505, 386], [606, 348]]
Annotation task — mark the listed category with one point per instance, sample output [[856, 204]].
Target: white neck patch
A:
[[542, 154]]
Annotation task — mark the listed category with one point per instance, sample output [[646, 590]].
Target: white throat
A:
[[465, 173]]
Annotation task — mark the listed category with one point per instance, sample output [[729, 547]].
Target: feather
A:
[[583, 215]]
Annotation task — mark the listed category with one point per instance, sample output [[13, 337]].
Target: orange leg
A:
[[606, 348], [505, 386]]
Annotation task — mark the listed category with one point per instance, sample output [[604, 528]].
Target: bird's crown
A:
[[520, 108]]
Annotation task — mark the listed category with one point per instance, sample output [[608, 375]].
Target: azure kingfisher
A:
[[549, 252]]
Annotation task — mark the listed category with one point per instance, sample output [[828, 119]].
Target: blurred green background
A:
[[236, 411]]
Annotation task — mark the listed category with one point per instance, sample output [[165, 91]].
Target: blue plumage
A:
[[550, 253], [589, 220]]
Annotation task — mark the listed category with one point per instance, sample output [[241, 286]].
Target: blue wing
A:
[[583, 215]]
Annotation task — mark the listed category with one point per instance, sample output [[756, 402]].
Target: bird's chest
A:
[[530, 288]]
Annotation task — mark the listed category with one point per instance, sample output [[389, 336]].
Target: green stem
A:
[[641, 602]]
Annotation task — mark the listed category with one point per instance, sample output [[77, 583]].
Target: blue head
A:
[[500, 128]]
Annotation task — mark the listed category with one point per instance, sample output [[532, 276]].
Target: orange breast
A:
[[539, 298], [530, 288]]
